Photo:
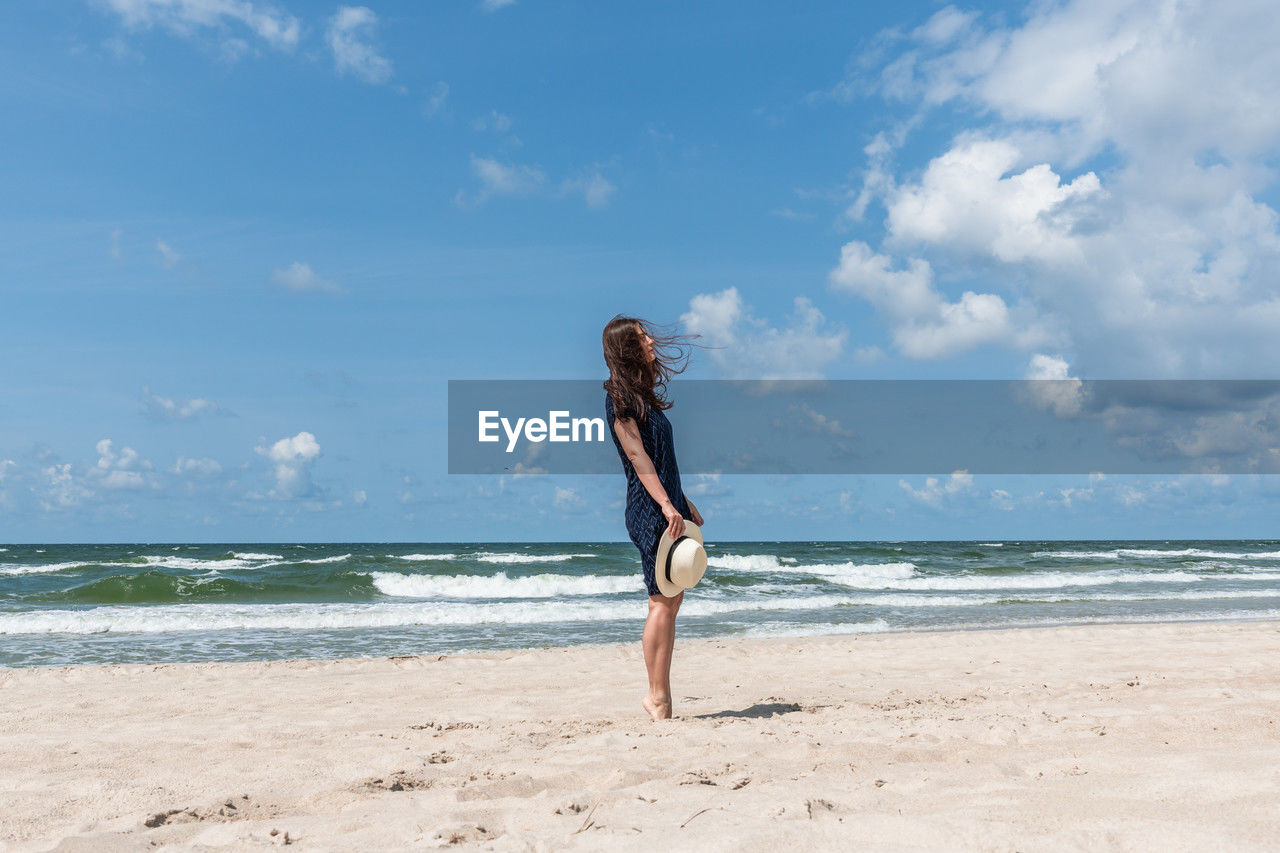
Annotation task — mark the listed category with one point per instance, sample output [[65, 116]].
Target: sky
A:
[[244, 246]]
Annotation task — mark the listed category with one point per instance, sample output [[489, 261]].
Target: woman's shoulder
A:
[[624, 412]]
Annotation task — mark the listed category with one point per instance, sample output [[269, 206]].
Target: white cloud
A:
[[203, 467], [495, 5], [1131, 495], [706, 485], [359, 497], [924, 324], [823, 423], [568, 500], [436, 101], [1112, 176], [168, 257], [167, 409], [498, 179], [795, 215], [1059, 391], [748, 347], [964, 202], [186, 17], [299, 278], [495, 121], [509, 179], [122, 50], [62, 489], [350, 39], [868, 355], [934, 490], [945, 26], [1048, 367], [123, 470], [293, 458], [1248, 432], [233, 50], [1066, 496], [594, 189]]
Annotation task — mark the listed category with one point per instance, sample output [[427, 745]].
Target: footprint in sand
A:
[[232, 808], [398, 781]]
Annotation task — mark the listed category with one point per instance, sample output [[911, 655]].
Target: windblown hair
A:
[[635, 385]]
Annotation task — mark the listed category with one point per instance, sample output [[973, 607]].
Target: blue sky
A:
[[244, 245]]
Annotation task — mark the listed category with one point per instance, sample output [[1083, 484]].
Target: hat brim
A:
[[666, 587]]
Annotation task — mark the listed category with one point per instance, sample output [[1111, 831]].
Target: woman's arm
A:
[[629, 437]]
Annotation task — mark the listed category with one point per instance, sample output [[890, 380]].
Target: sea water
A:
[[66, 604]]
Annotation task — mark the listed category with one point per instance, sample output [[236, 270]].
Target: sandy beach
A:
[[1082, 737]]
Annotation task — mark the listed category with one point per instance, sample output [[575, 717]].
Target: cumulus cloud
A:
[[61, 488], [747, 347], [923, 322], [1055, 389], [350, 39], [1112, 176], [300, 277], [188, 18], [971, 200], [292, 458], [568, 500], [120, 470], [934, 490]]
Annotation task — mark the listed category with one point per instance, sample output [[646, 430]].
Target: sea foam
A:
[[499, 585], [486, 557]]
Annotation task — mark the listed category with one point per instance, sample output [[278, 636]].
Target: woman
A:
[[639, 366]]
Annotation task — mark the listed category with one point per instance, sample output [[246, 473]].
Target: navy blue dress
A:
[[645, 522]]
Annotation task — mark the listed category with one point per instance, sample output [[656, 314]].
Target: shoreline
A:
[[1192, 620], [1125, 736]]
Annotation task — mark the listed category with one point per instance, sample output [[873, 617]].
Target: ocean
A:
[[73, 604]]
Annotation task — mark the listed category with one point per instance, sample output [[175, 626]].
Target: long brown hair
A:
[[634, 384]]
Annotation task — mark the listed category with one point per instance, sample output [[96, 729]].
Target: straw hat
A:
[[681, 562]]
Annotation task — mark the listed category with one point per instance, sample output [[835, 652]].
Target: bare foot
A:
[[657, 710]]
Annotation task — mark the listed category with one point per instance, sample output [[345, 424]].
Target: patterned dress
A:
[[645, 522]]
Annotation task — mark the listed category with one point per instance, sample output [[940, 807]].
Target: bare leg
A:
[[659, 643]]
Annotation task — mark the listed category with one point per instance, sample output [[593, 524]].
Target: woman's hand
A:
[[675, 521], [693, 512]]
